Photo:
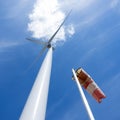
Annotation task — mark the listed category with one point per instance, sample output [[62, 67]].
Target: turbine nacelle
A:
[[49, 46]]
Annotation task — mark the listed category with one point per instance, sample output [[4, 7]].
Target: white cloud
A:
[[46, 18], [87, 55], [70, 29], [90, 14], [16, 8], [77, 4], [114, 3], [5, 45], [112, 85]]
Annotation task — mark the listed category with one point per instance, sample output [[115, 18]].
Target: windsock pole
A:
[[90, 114], [35, 107]]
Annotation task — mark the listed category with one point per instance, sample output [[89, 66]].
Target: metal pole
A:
[[90, 114], [35, 107]]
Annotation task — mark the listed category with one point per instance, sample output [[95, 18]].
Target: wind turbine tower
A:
[[35, 107]]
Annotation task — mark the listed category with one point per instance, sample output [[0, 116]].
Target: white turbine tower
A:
[[35, 107]]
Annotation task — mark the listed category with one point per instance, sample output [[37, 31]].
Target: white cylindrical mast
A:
[[90, 114], [35, 107]]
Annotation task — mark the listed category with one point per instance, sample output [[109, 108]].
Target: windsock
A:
[[89, 84]]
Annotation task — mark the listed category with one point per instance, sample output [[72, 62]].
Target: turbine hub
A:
[[49, 46]]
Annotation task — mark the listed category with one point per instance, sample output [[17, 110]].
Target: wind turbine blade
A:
[[59, 27], [38, 56], [36, 41]]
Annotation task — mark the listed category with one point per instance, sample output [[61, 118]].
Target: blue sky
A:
[[93, 44]]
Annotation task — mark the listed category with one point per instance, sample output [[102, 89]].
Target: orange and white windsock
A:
[[89, 84]]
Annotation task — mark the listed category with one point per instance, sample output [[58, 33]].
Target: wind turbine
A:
[[35, 107], [49, 43]]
